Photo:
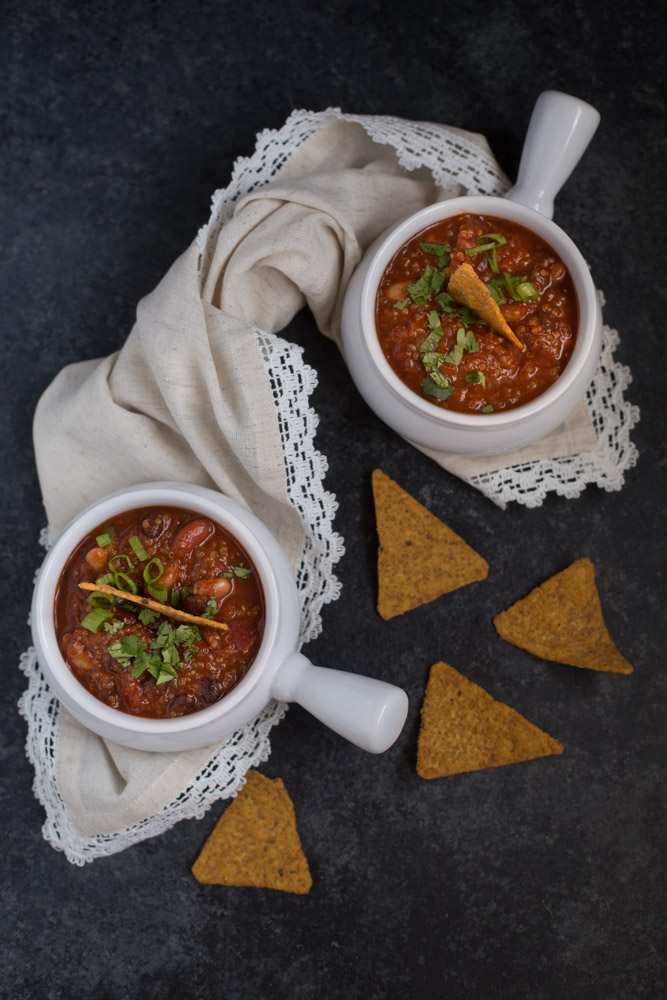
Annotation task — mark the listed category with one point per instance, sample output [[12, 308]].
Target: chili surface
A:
[[142, 662], [469, 368]]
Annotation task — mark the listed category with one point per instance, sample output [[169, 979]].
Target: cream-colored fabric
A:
[[187, 397], [575, 436]]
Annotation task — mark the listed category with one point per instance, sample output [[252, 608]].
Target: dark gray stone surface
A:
[[544, 880]]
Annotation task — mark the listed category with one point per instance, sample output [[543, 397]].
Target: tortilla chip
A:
[[562, 621], [419, 557], [464, 729], [255, 842], [469, 290]]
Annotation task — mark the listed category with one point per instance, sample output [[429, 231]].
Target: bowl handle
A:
[[559, 131], [368, 712]]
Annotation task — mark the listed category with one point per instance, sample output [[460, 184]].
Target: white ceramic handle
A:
[[368, 712], [560, 129]]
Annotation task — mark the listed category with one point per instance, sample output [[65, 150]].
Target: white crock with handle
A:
[[560, 129], [366, 711]]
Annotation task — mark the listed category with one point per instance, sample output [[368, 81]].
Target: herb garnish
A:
[[95, 619], [476, 376], [519, 288], [493, 241], [107, 537], [239, 571], [210, 609], [163, 657], [426, 286], [147, 615], [465, 341], [441, 250], [115, 625], [487, 409], [437, 385]]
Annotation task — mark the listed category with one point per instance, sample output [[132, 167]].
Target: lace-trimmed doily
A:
[[452, 159]]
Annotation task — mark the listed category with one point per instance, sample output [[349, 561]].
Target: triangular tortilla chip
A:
[[255, 841], [562, 621], [469, 290], [464, 729], [419, 558]]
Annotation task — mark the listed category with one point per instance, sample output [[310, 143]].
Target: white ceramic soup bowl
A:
[[560, 129], [368, 712]]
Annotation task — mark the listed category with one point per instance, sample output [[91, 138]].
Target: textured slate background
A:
[[541, 880]]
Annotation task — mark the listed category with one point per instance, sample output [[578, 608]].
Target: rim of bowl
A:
[[159, 494], [546, 229]]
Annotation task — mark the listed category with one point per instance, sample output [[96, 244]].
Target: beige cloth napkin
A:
[[187, 397]]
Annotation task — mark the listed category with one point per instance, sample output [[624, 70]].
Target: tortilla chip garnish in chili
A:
[[562, 620], [255, 841], [464, 729], [419, 557], [469, 290]]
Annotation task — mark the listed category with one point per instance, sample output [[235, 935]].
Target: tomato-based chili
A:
[[442, 350], [140, 660]]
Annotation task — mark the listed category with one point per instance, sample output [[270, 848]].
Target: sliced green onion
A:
[[106, 538], [97, 596], [124, 582], [107, 578], [186, 591], [114, 559], [496, 241], [96, 619], [155, 564], [157, 591], [138, 549], [527, 291], [492, 258], [175, 598]]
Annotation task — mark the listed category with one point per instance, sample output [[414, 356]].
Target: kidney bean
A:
[[190, 535], [155, 525], [181, 704], [217, 588], [211, 690]]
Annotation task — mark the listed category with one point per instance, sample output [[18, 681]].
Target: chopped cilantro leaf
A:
[[241, 571], [487, 409], [455, 355], [430, 388], [211, 608], [125, 649], [146, 616], [163, 658], [115, 625], [435, 336], [426, 286], [470, 342], [441, 251], [402, 304], [477, 376], [432, 360]]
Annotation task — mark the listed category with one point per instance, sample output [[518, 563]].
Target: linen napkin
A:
[[191, 396]]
